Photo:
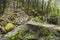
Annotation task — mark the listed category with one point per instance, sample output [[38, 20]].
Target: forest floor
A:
[[15, 30]]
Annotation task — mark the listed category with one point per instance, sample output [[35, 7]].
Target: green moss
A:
[[23, 31], [18, 35], [50, 36], [9, 26], [11, 37], [38, 20], [30, 36]]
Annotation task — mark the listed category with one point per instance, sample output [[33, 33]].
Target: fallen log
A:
[[55, 27]]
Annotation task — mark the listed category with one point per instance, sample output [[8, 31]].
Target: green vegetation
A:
[[38, 20], [9, 26], [20, 12], [30, 37], [25, 33]]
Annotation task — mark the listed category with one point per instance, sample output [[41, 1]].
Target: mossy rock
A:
[[9, 26]]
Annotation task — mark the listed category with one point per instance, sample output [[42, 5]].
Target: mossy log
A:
[[55, 27]]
